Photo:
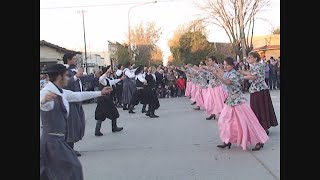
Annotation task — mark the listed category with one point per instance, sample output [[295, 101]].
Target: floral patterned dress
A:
[[213, 80], [259, 84], [188, 74], [203, 79], [235, 95], [195, 79]]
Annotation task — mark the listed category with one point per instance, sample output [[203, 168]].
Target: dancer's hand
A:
[[106, 90], [79, 73], [49, 97]]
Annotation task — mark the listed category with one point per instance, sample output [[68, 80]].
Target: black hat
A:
[[139, 69], [56, 68], [105, 69]]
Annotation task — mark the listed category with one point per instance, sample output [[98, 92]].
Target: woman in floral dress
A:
[[194, 80], [202, 87], [189, 83], [237, 122], [215, 96], [260, 100]]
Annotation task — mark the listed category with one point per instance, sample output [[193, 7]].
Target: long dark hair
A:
[[127, 64], [229, 61], [255, 55]]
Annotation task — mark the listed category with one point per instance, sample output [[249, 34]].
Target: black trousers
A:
[[272, 82], [137, 97], [71, 144], [118, 92]]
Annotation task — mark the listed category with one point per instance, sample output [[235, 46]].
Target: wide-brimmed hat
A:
[[56, 68]]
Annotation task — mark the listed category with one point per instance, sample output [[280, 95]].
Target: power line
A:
[[101, 5]]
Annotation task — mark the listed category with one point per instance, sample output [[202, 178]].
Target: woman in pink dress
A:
[[201, 86], [189, 83], [195, 86], [260, 100], [215, 96], [237, 122], [187, 69]]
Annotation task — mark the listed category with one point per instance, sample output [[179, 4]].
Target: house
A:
[[52, 54], [94, 61], [268, 45]]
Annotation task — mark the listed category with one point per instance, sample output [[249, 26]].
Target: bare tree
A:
[[143, 41], [236, 17], [276, 30]]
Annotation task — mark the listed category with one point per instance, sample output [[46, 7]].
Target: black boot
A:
[[144, 108], [119, 105], [115, 128], [98, 127], [148, 113], [131, 109], [152, 115], [71, 144], [125, 107]]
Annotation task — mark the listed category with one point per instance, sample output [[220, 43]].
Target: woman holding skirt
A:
[[129, 85], [201, 87], [194, 86], [189, 83], [150, 95], [260, 100], [138, 95], [214, 99], [237, 122]]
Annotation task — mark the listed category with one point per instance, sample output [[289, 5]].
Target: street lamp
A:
[[129, 32], [84, 37]]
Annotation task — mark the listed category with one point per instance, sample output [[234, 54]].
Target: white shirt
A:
[[67, 96], [112, 82], [129, 73], [141, 78], [154, 77], [73, 70], [119, 72]]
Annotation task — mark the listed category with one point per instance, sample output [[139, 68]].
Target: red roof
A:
[[57, 47], [265, 48]]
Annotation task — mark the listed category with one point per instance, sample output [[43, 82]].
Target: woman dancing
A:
[[237, 122], [260, 100]]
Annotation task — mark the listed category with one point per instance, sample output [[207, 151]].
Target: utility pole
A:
[[85, 43]]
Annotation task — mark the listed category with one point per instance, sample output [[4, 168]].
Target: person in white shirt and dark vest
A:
[[129, 85], [119, 86], [150, 96], [105, 106], [144, 101], [76, 119], [58, 160], [138, 94]]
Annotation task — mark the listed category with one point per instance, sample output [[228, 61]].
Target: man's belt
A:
[[57, 134]]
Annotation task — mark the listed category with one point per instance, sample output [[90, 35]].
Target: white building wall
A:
[[48, 54]]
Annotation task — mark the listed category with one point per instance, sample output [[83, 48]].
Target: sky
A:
[[63, 27]]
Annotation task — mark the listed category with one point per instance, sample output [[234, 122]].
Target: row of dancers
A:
[[63, 117], [63, 121], [136, 86], [218, 91]]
